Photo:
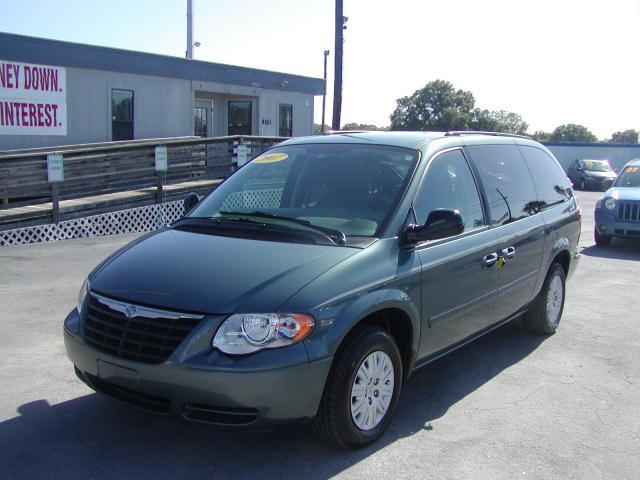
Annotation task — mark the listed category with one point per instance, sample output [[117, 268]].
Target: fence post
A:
[[55, 200], [55, 174], [161, 161]]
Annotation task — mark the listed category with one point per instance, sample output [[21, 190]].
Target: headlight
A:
[[82, 295], [610, 203], [249, 332]]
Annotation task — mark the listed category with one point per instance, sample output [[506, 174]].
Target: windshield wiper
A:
[[336, 236]]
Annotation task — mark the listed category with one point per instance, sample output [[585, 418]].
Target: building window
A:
[[200, 121], [286, 120], [121, 115], [239, 118]]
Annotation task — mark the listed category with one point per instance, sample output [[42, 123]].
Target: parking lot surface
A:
[[510, 405]]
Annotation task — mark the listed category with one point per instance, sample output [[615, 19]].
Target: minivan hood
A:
[[195, 272], [624, 193]]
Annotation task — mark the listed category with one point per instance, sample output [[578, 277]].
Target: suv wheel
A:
[[544, 315], [601, 240], [362, 390]]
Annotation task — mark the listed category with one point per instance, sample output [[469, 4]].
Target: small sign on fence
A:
[[161, 159], [55, 167], [242, 152]]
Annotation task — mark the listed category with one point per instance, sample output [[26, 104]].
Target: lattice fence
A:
[[140, 219]]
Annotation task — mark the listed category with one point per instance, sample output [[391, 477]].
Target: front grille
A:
[[220, 415], [148, 340], [629, 211]]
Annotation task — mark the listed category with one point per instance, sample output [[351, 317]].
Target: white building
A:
[[60, 93]]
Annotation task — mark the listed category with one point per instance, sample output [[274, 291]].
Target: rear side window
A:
[[507, 182], [450, 184], [549, 179]]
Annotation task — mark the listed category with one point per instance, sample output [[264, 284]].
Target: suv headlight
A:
[[82, 295], [610, 203], [249, 332]]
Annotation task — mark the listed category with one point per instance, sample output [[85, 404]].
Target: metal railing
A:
[[93, 171]]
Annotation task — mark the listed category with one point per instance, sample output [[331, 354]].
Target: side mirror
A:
[[190, 201], [441, 223]]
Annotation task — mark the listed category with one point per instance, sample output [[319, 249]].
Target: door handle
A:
[[491, 259], [508, 253]]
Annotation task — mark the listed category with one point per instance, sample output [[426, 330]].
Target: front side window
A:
[[630, 177], [507, 182], [552, 185], [121, 114], [449, 184], [286, 121], [239, 117], [351, 188]]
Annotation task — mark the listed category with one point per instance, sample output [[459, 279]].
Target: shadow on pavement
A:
[[620, 249], [91, 437]]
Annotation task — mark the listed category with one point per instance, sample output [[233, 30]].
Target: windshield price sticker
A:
[[271, 158]]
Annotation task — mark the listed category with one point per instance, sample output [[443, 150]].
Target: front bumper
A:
[[607, 224], [213, 388], [598, 182]]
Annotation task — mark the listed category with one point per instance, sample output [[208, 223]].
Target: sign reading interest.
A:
[[33, 99]]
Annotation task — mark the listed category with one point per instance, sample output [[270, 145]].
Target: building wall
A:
[[162, 108], [618, 154]]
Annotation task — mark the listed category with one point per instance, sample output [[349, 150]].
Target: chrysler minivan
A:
[[312, 282]]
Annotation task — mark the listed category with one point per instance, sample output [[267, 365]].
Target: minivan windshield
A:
[[334, 189], [630, 177], [597, 166]]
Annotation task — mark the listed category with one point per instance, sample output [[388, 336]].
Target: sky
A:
[[551, 61]]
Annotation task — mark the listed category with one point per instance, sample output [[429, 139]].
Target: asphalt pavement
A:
[[508, 406]]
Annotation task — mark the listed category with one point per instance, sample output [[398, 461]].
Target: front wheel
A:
[[362, 390], [544, 315]]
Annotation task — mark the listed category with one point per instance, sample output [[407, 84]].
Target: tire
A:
[[537, 319], [583, 185], [601, 240], [335, 421]]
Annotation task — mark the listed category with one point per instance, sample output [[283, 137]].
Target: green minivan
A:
[[314, 280]]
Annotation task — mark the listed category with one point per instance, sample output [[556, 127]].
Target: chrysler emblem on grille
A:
[[130, 311]]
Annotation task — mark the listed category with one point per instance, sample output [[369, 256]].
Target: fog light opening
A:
[[603, 228]]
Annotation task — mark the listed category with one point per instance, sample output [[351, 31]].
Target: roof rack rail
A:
[[452, 133], [338, 132]]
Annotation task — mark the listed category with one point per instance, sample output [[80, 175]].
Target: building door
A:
[[201, 119], [240, 117]]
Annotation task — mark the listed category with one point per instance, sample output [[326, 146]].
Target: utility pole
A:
[[189, 28], [341, 20], [324, 95]]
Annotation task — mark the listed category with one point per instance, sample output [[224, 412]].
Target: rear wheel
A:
[[544, 315], [601, 240], [362, 390]]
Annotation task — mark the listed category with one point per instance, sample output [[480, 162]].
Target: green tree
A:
[[572, 132], [626, 136], [498, 121], [363, 126], [541, 136], [436, 106], [317, 128]]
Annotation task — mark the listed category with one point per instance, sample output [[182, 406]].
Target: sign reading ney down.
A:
[[33, 99]]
